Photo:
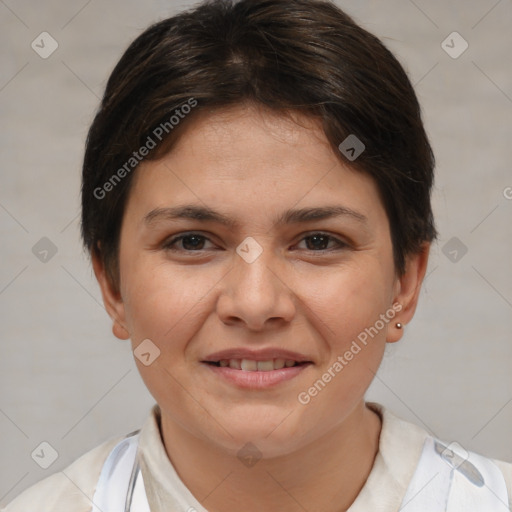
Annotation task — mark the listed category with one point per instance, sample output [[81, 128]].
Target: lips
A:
[[256, 375]]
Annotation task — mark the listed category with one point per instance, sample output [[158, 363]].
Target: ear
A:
[[111, 297], [407, 290]]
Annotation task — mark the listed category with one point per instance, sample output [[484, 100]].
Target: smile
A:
[[256, 375], [250, 365]]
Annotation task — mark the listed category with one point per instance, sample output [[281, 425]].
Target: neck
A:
[[326, 475]]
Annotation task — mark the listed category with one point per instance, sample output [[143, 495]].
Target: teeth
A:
[[278, 364], [249, 365], [265, 366]]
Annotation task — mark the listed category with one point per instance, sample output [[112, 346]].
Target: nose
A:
[[256, 294]]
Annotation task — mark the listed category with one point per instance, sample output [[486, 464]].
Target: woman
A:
[[256, 203]]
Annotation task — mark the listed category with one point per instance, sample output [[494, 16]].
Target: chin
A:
[[272, 435], [257, 445]]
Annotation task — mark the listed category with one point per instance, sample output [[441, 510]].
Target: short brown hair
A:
[[303, 56]]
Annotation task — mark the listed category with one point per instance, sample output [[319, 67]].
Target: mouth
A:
[[251, 365], [261, 369], [249, 374]]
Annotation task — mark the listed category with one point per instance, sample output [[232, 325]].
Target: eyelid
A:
[[169, 244], [339, 241]]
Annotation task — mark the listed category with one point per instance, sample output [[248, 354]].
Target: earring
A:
[[398, 325]]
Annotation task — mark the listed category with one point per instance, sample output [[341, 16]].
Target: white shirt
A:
[[72, 489]]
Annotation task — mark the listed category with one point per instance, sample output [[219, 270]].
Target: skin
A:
[[252, 164]]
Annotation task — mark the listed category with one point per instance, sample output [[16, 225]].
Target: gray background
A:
[[66, 380]]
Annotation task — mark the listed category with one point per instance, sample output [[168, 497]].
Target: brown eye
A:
[[189, 242], [321, 241], [192, 242]]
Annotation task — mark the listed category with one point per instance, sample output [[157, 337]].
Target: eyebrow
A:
[[292, 216]]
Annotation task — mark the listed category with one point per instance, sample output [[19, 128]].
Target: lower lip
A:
[[256, 379]]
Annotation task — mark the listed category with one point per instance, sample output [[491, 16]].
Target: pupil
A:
[[319, 241], [193, 245]]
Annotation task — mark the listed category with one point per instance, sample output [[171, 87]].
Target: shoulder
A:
[[70, 490], [402, 448]]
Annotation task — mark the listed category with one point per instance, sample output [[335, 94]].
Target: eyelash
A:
[[170, 244]]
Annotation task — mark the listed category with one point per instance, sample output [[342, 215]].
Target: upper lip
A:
[[257, 355]]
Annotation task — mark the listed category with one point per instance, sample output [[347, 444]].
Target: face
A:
[[252, 237]]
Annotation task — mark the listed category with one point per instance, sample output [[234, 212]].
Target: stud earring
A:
[[398, 325]]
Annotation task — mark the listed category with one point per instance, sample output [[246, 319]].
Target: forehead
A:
[[250, 158], [228, 136]]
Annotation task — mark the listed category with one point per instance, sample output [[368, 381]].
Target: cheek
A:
[[349, 300], [346, 311], [167, 305], [163, 302]]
